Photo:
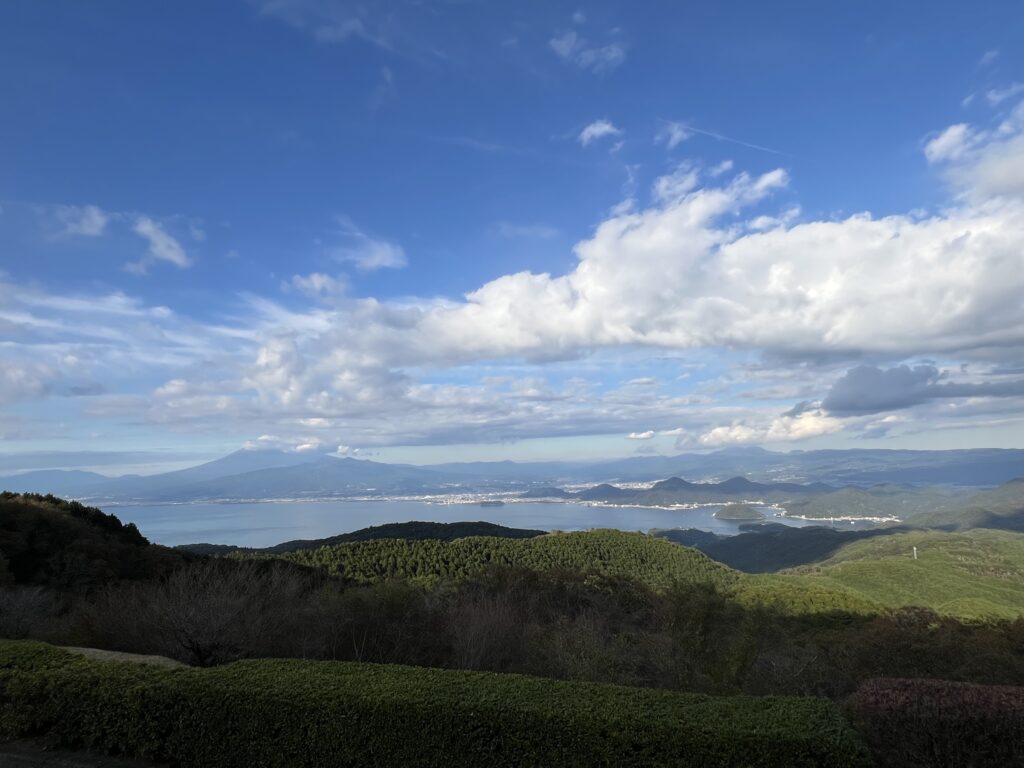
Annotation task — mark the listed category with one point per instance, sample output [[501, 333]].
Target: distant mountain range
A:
[[675, 490], [273, 474], [255, 474]]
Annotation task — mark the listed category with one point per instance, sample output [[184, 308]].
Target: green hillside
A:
[[47, 541], [655, 562], [970, 574], [652, 561], [973, 574], [413, 530], [1001, 507], [880, 501]]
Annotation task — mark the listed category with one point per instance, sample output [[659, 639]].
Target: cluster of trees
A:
[[46, 541], [608, 553]]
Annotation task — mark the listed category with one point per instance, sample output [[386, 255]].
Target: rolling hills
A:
[[973, 573]]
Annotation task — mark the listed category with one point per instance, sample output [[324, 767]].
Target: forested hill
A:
[[1001, 507], [414, 530], [675, 490], [607, 552], [55, 543]]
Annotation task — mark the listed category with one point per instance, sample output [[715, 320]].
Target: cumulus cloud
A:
[[366, 252], [24, 380], [675, 185], [598, 129], [162, 247], [782, 429], [983, 163], [318, 284], [84, 220], [673, 134], [988, 57], [647, 435], [868, 389], [700, 267], [572, 47], [997, 96]]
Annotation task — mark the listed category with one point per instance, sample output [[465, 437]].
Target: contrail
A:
[[722, 137]]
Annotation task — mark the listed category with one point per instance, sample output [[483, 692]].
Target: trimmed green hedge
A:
[[297, 713]]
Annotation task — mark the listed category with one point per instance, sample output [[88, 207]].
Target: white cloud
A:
[[366, 252], [598, 130], [587, 56], [675, 185], [782, 429], [723, 167], [951, 144], [706, 265], [997, 96], [988, 58], [162, 247], [983, 163], [640, 435], [673, 134], [24, 380], [318, 284], [85, 220]]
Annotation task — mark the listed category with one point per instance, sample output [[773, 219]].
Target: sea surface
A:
[[263, 524]]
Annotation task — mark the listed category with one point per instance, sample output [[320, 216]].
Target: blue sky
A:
[[431, 231]]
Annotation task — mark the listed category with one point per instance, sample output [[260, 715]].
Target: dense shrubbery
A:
[[287, 713], [912, 723]]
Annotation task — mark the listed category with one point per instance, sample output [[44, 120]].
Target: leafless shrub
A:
[[26, 611], [209, 613]]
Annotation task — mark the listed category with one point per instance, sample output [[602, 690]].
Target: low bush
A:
[[940, 723], [299, 713]]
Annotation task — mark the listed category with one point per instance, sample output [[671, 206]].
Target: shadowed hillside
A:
[[411, 531]]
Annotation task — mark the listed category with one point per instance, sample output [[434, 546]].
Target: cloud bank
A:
[[714, 261]]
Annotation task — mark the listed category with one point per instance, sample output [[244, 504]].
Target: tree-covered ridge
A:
[[55, 543], [972, 573], [414, 530], [606, 552], [1001, 507], [654, 562]]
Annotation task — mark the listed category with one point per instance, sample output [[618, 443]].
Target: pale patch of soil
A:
[[135, 658]]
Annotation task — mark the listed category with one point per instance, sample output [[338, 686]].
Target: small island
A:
[[738, 512]]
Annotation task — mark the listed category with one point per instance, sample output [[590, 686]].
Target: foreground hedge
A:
[[940, 723], [297, 713]]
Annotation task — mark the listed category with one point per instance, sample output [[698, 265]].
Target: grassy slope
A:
[[970, 574]]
